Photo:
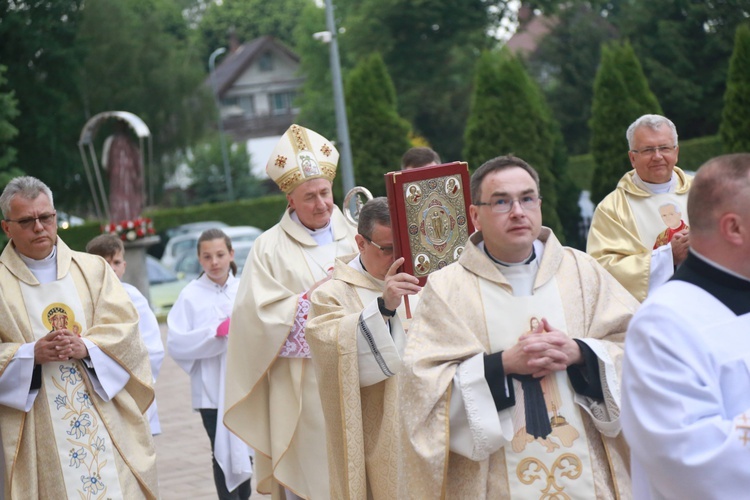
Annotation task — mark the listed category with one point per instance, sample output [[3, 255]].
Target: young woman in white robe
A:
[[197, 340]]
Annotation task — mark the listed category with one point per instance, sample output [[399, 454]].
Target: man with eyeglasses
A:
[[628, 221], [71, 360], [356, 332], [510, 379]]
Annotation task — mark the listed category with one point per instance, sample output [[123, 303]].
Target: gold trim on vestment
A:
[[448, 394], [612, 474]]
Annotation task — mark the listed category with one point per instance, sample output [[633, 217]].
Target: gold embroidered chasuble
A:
[[32, 468], [361, 422], [450, 327], [273, 403], [621, 237]]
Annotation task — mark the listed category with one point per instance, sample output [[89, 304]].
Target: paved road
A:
[[183, 452]]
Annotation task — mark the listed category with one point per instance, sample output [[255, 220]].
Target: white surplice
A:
[[148, 325], [686, 388], [193, 344]]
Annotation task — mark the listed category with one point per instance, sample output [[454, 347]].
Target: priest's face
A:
[[377, 250], [313, 202], [651, 164], [508, 236], [32, 225]]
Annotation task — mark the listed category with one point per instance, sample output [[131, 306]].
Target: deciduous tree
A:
[[208, 175], [8, 111]]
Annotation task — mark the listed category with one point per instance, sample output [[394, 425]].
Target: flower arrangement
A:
[[131, 230]]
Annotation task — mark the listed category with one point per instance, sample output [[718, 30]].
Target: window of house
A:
[[245, 103], [281, 102], [265, 62]]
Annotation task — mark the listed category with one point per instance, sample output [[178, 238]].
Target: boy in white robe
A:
[[686, 383], [111, 249]]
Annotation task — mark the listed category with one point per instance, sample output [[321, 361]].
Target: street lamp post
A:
[[224, 155], [342, 126]]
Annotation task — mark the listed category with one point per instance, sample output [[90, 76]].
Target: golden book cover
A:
[[430, 216]]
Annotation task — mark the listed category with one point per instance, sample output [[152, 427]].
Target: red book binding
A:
[[430, 216]]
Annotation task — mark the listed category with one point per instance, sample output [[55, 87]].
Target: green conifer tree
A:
[[8, 111], [735, 121], [621, 95], [379, 136], [509, 116]]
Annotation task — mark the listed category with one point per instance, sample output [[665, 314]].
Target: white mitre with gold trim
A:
[[299, 156]]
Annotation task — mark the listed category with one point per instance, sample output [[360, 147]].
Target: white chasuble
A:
[[656, 215], [320, 259], [558, 465], [82, 441]]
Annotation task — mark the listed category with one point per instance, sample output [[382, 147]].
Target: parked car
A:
[[189, 267], [164, 287], [191, 227], [189, 242]]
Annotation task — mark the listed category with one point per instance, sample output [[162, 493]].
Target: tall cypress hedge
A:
[[621, 95], [735, 120], [379, 136], [509, 116]]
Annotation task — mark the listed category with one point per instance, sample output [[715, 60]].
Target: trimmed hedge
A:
[[693, 154], [266, 211], [259, 212]]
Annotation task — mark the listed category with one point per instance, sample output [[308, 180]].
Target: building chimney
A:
[[525, 14], [234, 42]]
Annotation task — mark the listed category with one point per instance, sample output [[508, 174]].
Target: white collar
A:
[[322, 236], [206, 281], [666, 187], [44, 270], [356, 263]]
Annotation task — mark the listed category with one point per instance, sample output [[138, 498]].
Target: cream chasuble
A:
[[625, 228], [585, 455], [361, 414], [272, 402], [559, 464], [97, 436], [84, 446]]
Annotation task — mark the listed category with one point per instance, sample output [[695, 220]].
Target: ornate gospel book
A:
[[429, 215]]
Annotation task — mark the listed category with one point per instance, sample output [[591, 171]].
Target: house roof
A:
[[235, 64]]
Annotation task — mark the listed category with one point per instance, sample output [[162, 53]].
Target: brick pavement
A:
[[183, 452]]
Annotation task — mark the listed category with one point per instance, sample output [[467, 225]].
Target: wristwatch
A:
[[385, 312]]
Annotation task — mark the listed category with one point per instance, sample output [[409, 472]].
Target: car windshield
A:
[[157, 273], [188, 264], [240, 257]]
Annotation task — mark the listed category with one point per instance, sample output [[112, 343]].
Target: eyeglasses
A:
[[663, 150], [29, 222], [387, 251], [504, 205]]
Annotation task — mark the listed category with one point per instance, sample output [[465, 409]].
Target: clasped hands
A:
[[680, 244], [59, 345], [540, 352]]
